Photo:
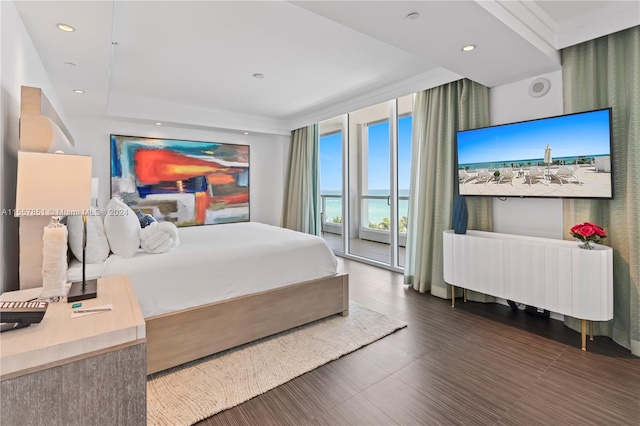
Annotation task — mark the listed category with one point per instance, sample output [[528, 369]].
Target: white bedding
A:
[[92, 271], [220, 262]]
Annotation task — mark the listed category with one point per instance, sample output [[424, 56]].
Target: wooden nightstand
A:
[[86, 370]]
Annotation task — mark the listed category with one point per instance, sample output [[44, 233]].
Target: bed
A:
[[226, 285]]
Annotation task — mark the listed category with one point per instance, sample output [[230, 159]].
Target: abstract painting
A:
[[184, 182]]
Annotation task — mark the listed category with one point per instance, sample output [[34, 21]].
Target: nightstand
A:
[[85, 370]]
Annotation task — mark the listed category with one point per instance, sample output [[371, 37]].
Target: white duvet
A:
[[219, 262]]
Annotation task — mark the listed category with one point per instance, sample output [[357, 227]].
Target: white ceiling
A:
[[191, 63]]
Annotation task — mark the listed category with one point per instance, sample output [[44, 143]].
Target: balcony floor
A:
[[364, 248]]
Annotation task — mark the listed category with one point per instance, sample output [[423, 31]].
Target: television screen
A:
[[567, 156]]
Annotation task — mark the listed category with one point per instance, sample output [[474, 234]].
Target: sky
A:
[[569, 136], [378, 161]]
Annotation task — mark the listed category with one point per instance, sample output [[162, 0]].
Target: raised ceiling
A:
[[192, 63]]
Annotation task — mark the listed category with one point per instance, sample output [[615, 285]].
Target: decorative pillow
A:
[[121, 225], [97, 244], [159, 237], [145, 219]]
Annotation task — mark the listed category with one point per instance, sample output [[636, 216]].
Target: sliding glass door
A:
[[370, 202], [365, 167]]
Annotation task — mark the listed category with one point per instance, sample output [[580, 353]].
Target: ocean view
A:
[[583, 159], [378, 209]]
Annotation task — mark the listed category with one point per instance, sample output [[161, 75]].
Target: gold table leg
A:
[[453, 296], [464, 294], [584, 335], [591, 330]]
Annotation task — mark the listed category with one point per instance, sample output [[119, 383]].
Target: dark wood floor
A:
[[475, 364]]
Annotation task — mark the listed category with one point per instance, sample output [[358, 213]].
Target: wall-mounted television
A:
[[567, 156]]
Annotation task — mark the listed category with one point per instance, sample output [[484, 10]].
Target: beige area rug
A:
[[199, 389]]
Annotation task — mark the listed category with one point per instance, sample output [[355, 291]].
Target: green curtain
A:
[[600, 73], [437, 114], [301, 201]]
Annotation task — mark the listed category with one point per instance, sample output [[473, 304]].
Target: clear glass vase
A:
[[586, 245]]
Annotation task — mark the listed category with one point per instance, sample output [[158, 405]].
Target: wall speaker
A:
[[539, 87]]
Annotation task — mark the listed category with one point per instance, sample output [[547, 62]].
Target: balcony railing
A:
[[379, 232]]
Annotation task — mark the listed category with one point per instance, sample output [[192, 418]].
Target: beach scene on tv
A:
[[567, 156]]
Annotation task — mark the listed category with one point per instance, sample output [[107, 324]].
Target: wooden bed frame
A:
[[183, 336]]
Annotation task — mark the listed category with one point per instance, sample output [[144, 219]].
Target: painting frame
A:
[[186, 182]]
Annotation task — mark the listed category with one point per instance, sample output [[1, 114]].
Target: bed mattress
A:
[[219, 262]]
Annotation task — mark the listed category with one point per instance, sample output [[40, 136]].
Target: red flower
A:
[[588, 231], [598, 231]]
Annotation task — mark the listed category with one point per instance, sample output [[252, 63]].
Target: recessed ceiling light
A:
[[413, 16], [158, 124], [469, 47], [65, 27], [70, 64], [246, 133], [258, 75], [78, 91]]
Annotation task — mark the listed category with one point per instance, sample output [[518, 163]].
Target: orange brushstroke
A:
[[219, 179], [154, 166], [202, 204]]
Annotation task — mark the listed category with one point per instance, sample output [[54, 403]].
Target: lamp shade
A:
[[52, 184]]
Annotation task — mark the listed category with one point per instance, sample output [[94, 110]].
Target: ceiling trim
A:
[[154, 110], [427, 80], [615, 17], [529, 21]]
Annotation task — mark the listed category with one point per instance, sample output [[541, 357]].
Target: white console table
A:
[[555, 275]]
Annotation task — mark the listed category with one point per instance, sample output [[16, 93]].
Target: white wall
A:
[[538, 217], [20, 65], [267, 157]]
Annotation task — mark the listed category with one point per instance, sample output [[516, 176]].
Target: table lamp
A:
[[53, 185]]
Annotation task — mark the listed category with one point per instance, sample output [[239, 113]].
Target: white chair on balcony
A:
[[464, 176], [506, 175], [484, 176], [567, 172], [536, 174]]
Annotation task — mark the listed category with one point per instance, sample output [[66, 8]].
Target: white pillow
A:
[[97, 245], [121, 226]]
